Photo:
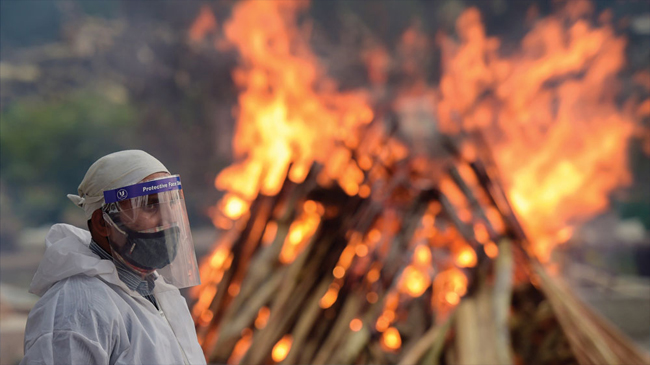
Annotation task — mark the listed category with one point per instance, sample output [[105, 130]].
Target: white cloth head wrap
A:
[[111, 172]]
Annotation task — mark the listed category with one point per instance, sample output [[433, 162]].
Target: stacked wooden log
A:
[[430, 266]]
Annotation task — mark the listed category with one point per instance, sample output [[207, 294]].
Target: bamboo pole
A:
[[306, 321], [341, 326], [501, 301], [592, 339], [433, 339]]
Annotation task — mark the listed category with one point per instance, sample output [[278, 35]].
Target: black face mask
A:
[[149, 251]]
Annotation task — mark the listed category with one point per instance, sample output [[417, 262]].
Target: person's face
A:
[[150, 212]]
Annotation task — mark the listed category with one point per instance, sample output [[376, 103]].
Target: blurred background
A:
[[81, 79]]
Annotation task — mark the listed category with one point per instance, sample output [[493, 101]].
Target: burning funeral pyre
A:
[[413, 226]]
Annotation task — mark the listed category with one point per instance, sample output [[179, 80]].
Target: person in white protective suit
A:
[[110, 295]]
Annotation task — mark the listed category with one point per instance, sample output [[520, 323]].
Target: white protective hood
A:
[[67, 254]]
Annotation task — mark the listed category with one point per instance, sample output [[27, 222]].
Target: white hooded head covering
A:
[[111, 172]]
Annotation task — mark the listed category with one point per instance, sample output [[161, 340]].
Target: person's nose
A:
[[166, 216]]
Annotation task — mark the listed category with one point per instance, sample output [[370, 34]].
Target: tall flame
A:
[[549, 114], [289, 111]]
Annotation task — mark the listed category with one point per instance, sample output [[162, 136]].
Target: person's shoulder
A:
[[87, 282], [80, 295], [76, 304], [83, 288], [62, 231], [77, 310]]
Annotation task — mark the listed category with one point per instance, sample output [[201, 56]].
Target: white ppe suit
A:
[[87, 315]]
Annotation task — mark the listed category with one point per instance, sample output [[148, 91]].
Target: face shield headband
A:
[[149, 229]]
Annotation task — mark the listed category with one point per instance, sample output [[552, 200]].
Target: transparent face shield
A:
[[149, 231]]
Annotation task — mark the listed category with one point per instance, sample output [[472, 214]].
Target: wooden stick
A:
[[482, 334], [351, 346], [301, 276], [591, 337], [501, 299], [232, 327], [433, 338], [341, 326], [471, 198], [468, 334], [306, 321]]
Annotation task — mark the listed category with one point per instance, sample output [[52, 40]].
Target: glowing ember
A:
[[233, 289], [448, 287], [481, 233], [466, 257], [374, 235], [204, 301], [338, 272], [310, 206], [491, 249], [414, 282], [373, 275], [282, 348], [361, 250], [382, 324], [262, 317], [219, 257], [389, 315], [452, 298], [329, 297], [391, 339], [233, 206], [364, 191], [345, 260], [206, 316], [422, 256], [356, 325], [269, 233]]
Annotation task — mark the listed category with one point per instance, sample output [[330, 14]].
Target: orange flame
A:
[[558, 137], [546, 112], [203, 24], [289, 112]]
